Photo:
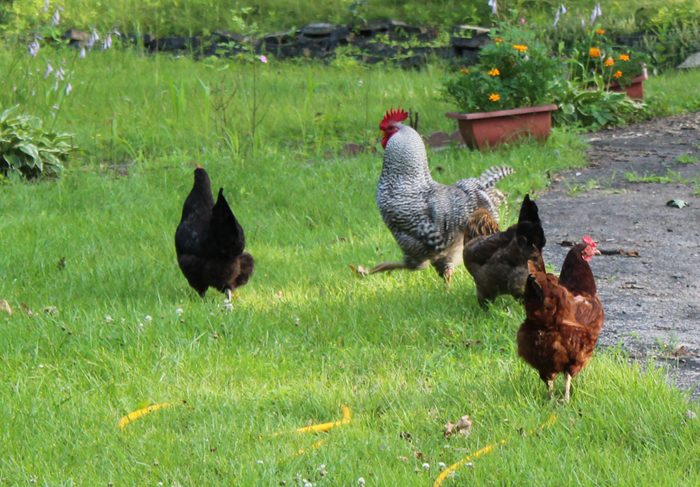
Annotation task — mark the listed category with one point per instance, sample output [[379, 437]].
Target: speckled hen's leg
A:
[[568, 387], [388, 266]]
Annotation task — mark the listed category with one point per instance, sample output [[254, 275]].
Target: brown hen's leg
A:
[[388, 266], [568, 387]]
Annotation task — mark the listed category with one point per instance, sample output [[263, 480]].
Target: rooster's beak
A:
[[596, 252]]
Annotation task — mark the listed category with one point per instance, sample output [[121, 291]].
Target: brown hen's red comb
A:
[[393, 116], [589, 241]]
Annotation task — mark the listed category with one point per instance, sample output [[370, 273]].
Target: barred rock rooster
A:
[[209, 241], [564, 317], [498, 261], [428, 219]]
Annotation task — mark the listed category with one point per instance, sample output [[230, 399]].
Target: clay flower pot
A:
[[491, 129], [634, 90]]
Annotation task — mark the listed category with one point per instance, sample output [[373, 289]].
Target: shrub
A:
[[28, 149], [594, 61], [514, 71]]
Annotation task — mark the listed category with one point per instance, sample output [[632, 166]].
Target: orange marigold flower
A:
[[494, 72], [497, 40], [464, 71], [520, 48], [624, 57], [609, 62], [494, 97], [600, 31], [594, 52], [617, 75]]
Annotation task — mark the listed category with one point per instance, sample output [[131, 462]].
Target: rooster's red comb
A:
[[393, 116], [199, 167], [589, 241]]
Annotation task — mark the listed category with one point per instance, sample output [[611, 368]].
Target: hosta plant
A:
[[514, 71], [29, 150]]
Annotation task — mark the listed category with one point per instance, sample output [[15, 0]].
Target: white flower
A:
[[442, 465], [49, 70], [492, 4], [55, 19], [46, 6], [108, 319], [426, 466], [82, 53], [179, 311], [361, 481], [69, 88], [148, 318], [107, 43], [260, 462], [33, 48]]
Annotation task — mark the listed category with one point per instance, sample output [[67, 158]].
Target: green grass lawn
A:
[[306, 335]]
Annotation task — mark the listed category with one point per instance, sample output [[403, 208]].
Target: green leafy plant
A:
[[687, 159], [594, 108], [514, 71], [29, 150]]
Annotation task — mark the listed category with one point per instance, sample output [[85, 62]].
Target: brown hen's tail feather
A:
[[481, 224]]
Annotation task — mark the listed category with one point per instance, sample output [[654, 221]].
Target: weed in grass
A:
[[687, 159], [669, 178]]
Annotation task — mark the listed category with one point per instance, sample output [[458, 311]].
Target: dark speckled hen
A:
[[498, 260], [209, 241]]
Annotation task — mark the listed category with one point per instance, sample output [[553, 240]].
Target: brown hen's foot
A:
[[388, 266], [568, 388]]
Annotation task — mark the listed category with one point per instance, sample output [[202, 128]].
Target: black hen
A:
[[209, 241], [498, 262]]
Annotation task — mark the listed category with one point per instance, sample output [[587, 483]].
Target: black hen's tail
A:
[[225, 230], [529, 224]]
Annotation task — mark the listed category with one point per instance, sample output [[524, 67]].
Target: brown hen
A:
[[563, 317], [498, 260]]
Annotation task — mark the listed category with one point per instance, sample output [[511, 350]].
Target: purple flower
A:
[[55, 19], [69, 88], [33, 48], [82, 53], [49, 70], [116, 32], [46, 6], [60, 74], [263, 59]]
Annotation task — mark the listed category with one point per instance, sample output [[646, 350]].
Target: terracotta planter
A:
[[635, 90], [490, 129]]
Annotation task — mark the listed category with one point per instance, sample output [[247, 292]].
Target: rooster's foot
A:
[[388, 266]]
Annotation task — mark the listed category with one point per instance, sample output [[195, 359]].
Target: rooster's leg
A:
[[389, 266], [568, 387], [447, 276]]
